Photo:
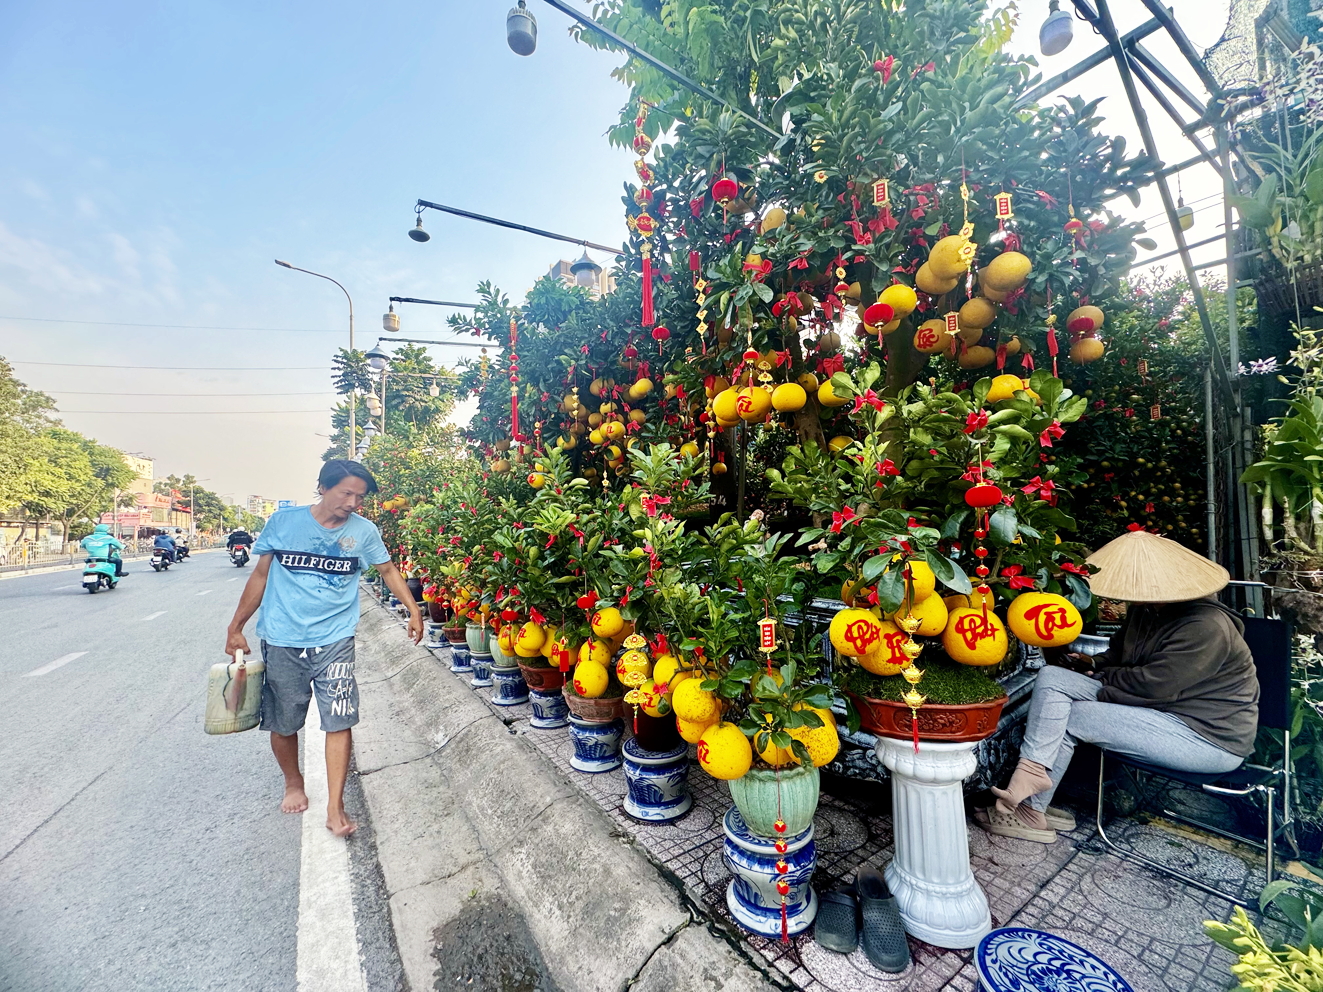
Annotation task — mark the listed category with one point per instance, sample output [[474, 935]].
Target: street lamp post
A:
[[353, 393], [380, 360]]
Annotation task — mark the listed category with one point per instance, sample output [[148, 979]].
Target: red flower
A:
[[1073, 569], [888, 467], [841, 518], [976, 421]]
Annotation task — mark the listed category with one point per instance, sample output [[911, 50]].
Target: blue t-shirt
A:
[[311, 596]]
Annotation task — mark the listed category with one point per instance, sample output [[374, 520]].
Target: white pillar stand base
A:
[[939, 900]]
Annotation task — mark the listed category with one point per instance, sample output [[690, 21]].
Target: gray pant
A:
[[1065, 709]]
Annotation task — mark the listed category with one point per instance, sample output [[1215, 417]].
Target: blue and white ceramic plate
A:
[[1016, 959]]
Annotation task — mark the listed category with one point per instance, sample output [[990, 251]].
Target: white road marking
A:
[[57, 663], [204, 592], [235, 579], [153, 616], [327, 948]]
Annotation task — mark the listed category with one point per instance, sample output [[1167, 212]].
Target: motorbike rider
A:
[[166, 542], [100, 544], [238, 536]]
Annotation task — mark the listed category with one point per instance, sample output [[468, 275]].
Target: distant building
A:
[[261, 506]]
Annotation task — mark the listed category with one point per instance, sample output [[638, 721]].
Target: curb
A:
[[468, 814]]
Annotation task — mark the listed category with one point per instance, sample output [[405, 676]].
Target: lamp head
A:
[[378, 358], [521, 30], [418, 234], [1056, 33], [585, 271], [390, 320], [434, 390], [285, 264]]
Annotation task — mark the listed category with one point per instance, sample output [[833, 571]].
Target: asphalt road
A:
[[136, 852]]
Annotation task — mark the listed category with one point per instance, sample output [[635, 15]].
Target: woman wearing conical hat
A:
[[1176, 686]]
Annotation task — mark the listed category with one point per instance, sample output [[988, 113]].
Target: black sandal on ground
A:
[[837, 927], [881, 933]]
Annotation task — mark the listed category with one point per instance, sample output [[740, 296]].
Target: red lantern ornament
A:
[[660, 334], [983, 495], [724, 190], [879, 314]]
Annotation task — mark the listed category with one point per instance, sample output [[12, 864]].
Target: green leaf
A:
[[890, 590], [1272, 891], [875, 566], [1003, 525]]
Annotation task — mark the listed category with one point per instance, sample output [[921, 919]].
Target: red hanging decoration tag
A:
[[1001, 355], [648, 317], [914, 724]]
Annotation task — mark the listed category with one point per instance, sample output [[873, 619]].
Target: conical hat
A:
[[1141, 567]]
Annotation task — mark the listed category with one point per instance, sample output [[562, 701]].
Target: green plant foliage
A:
[[943, 682]]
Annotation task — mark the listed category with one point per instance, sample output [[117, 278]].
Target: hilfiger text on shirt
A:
[[299, 561]]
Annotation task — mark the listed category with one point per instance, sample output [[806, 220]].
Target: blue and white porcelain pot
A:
[[549, 709], [658, 783], [751, 895], [482, 671], [596, 745], [508, 686], [460, 659]]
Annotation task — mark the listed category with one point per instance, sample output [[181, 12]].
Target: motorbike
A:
[[181, 552], [160, 559], [239, 555], [99, 573]]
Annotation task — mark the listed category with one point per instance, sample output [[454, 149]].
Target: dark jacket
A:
[[1189, 660]]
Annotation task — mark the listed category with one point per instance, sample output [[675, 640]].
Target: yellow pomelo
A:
[[828, 398], [549, 635], [719, 385], [725, 405], [1004, 387], [931, 337], [1044, 619], [595, 651], [654, 700], [809, 381], [948, 258], [928, 281], [505, 638], [528, 642], [607, 622], [854, 632], [976, 357], [537, 480], [753, 403], [777, 757], [970, 335], [1007, 272], [590, 679], [665, 669], [921, 579], [689, 449], [823, 742], [959, 600], [978, 312], [773, 219], [973, 638], [1086, 350], [689, 730], [888, 328], [840, 442], [900, 298], [695, 705], [596, 437], [789, 397], [724, 752], [636, 416], [931, 612], [640, 389], [887, 658], [613, 430]]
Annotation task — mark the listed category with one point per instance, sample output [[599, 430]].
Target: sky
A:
[[156, 157]]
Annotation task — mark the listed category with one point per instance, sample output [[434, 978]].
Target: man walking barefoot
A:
[[306, 582]]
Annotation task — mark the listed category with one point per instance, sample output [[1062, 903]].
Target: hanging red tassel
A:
[[648, 317], [1027, 361], [785, 923], [914, 723], [1001, 355]]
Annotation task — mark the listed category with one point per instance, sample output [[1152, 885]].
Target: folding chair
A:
[[1270, 644]]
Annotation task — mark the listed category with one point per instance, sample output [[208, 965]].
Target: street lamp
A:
[[353, 393], [1056, 33], [418, 234], [390, 320], [380, 361], [521, 30], [585, 271]]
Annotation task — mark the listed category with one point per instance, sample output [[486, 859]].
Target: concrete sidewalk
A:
[[500, 875]]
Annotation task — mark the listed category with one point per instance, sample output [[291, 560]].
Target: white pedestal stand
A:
[[939, 900]]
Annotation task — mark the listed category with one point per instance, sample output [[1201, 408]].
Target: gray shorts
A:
[[295, 675]]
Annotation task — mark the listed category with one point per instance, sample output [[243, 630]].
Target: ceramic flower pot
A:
[[454, 635], [596, 744], [436, 612], [549, 710], [755, 796], [937, 721], [508, 688], [541, 676], [603, 709], [476, 635]]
